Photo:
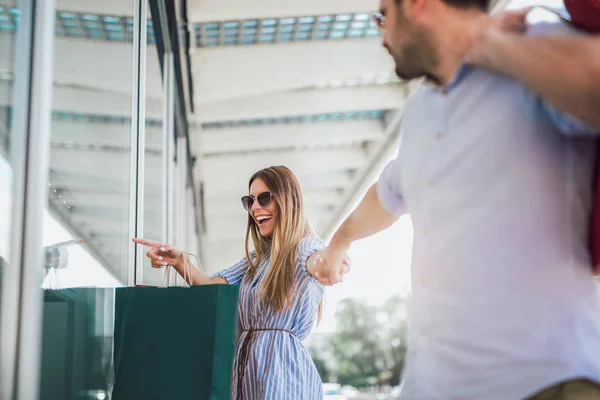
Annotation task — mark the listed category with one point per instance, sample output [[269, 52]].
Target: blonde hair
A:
[[291, 227]]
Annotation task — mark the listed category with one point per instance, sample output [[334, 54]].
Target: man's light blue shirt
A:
[[498, 185]]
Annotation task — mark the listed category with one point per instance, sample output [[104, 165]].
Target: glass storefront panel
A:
[[9, 14], [86, 226], [89, 204], [154, 151]]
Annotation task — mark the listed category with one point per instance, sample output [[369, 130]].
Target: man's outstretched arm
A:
[[369, 218]]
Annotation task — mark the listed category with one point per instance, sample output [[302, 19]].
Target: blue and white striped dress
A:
[[278, 366]]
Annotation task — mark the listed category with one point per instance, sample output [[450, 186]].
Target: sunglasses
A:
[[264, 199], [379, 19]]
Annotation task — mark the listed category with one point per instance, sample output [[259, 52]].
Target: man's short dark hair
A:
[[483, 5]]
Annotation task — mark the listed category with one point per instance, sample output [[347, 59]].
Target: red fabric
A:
[[585, 14], [595, 228]]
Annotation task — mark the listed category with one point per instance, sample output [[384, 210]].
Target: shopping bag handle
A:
[[187, 270]]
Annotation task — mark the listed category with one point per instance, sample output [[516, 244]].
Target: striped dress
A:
[[271, 363]]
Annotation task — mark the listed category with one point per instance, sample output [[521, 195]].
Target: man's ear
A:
[[414, 9]]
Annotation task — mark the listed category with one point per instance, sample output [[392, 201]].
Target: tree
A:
[[370, 342], [321, 365]]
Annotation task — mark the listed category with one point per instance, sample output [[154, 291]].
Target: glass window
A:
[[154, 168], [7, 49], [86, 226]]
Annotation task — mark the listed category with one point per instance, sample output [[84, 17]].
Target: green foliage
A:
[[322, 366], [370, 342]]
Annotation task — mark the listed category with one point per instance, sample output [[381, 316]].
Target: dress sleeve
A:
[[234, 274], [306, 248]]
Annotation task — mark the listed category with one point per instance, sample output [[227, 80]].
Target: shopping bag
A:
[[174, 343], [77, 344]]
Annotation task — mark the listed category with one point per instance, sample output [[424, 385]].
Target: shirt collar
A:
[[463, 70]]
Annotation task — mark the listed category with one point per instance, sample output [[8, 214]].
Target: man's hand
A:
[[493, 28], [328, 266]]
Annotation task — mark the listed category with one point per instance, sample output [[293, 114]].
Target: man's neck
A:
[[454, 35]]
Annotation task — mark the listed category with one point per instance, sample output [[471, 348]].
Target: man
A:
[[498, 185]]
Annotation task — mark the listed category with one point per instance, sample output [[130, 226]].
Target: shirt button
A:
[[424, 231], [431, 183], [439, 135]]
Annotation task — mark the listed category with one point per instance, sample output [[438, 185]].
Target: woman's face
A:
[[264, 217]]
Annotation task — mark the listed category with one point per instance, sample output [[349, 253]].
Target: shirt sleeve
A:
[[389, 189], [234, 274], [306, 248], [564, 123]]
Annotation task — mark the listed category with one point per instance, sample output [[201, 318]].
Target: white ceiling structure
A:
[[304, 84]]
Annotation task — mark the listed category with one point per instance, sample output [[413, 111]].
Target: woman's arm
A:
[[162, 255]]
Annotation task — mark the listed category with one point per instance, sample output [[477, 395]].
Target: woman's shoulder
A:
[[312, 241], [309, 245]]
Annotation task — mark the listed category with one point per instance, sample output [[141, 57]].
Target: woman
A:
[[279, 296]]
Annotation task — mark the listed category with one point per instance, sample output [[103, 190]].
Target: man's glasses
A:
[[379, 19], [264, 199]]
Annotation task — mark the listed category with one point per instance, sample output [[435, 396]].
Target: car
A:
[[333, 391], [350, 392], [395, 392]]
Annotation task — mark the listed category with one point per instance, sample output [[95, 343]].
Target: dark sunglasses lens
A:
[[264, 199], [247, 202]]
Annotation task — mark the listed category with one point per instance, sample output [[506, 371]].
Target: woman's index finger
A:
[[148, 243]]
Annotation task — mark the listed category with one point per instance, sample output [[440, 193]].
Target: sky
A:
[[380, 270]]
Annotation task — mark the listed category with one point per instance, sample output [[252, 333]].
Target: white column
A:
[[22, 302], [138, 142]]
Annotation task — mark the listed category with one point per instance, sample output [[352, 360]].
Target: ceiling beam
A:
[[88, 101], [98, 165], [288, 136], [378, 158], [283, 67], [110, 201], [77, 181], [211, 10], [87, 133], [232, 172], [101, 225], [104, 7], [102, 65], [96, 64], [337, 180], [302, 102]]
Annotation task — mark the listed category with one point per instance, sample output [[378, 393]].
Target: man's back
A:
[[499, 194]]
